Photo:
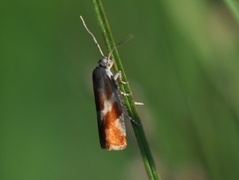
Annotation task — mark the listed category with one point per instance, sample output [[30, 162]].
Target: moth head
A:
[[106, 62]]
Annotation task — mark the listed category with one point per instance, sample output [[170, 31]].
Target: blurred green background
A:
[[182, 63]]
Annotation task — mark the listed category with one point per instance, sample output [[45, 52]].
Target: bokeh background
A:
[[183, 63]]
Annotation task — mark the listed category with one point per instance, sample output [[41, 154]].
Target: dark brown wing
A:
[[109, 111]]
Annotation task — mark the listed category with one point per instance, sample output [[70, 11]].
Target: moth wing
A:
[[109, 111]]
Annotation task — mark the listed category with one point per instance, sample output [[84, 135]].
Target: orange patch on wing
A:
[[115, 135]]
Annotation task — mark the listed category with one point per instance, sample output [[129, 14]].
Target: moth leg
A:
[[138, 103], [131, 119], [119, 75], [125, 94]]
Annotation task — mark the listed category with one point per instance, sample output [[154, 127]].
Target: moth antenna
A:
[[120, 43], [98, 46]]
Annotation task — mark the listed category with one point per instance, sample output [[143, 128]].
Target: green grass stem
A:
[[128, 100]]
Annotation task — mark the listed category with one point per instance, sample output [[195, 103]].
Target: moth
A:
[[110, 116]]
